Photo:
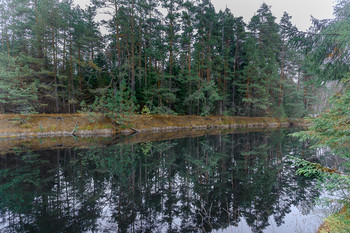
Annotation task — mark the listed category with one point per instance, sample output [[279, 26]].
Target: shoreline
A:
[[48, 125], [335, 222], [8, 145]]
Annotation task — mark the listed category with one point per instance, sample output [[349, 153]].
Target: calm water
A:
[[223, 183]]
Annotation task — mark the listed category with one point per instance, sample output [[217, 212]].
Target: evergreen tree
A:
[[238, 63], [191, 60], [328, 59], [262, 76], [331, 128], [18, 87], [290, 100]]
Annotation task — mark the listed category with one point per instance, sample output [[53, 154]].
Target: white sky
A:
[[300, 10]]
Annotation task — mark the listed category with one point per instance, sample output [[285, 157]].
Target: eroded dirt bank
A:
[[41, 125]]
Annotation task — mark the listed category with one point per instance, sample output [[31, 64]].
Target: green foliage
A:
[[333, 182], [331, 130], [205, 97], [332, 127], [162, 110], [306, 168], [116, 105], [17, 87], [340, 222], [145, 110], [184, 59], [328, 59]]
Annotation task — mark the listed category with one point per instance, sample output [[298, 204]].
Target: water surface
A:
[[242, 182]]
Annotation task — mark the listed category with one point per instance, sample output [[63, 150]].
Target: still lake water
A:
[[240, 182]]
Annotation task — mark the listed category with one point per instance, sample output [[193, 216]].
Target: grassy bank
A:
[[39, 125], [337, 223], [9, 145]]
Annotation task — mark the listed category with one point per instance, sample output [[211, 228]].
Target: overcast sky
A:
[[300, 10]]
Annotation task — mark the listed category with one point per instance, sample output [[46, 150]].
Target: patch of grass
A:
[[225, 121], [26, 126], [40, 129], [337, 223], [87, 127], [106, 126]]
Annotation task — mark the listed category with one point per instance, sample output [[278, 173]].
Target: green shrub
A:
[[116, 105]]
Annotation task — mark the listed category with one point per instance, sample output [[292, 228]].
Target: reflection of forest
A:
[[187, 185]]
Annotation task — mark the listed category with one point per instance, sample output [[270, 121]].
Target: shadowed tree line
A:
[[163, 56]]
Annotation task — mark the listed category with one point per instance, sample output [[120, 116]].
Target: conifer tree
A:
[[262, 91], [290, 100], [191, 60], [18, 87], [187, 73]]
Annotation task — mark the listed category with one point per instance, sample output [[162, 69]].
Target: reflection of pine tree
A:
[[190, 185]]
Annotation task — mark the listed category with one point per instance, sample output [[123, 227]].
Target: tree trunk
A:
[[38, 28], [55, 71], [7, 40], [79, 69], [140, 55], [171, 59], [280, 96], [209, 58], [189, 70], [145, 60], [235, 75], [71, 89], [132, 51], [118, 45], [64, 51]]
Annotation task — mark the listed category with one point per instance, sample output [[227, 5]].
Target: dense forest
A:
[[179, 57], [159, 56]]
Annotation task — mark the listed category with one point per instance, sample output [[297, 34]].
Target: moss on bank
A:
[[56, 142], [14, 125], [337, 223]]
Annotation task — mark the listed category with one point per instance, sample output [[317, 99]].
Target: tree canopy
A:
[[174, 57]]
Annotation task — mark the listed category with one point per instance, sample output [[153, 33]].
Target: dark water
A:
[[226, 183]]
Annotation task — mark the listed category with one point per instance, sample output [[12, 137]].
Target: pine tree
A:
[[262, 91], [290, 97], [187, 73], [240, 40], [18, 88], [171, 29], [192, 60]]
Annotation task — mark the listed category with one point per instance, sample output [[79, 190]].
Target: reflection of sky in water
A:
[[302, 219], [295, 222], [227, 183]]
